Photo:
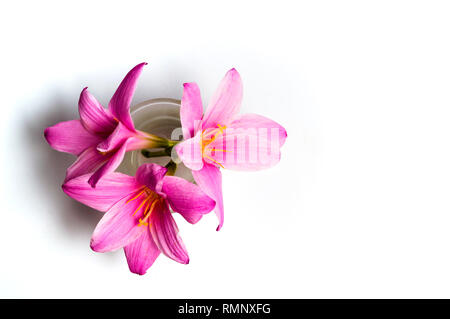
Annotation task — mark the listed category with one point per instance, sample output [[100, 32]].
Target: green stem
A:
[[167, 151], [171, 168], [149, 154], [172, 143]]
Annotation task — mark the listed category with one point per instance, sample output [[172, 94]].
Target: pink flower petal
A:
[[93, 116], [187, 198], [246, 149], [151, 175], [70, 137], [165, 234], [121, 100], [86, 163], [141, 253], [209, 179], [108, 191], [115, 158], [191, 110], [119, 226], [258, 121], [116, 139], [226, 101], [141, 140], [190, 152]]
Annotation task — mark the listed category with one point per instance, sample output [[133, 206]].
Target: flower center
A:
[[148, 200], [208, 136]]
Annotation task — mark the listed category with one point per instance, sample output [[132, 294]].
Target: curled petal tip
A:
[[95, 246], [234, 74], [92, 182], [92, 245], [139, 67], [138, 272], [46, 134], [188, 84], [84, 91]]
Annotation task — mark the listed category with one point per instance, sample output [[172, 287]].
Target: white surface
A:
[[359, 204]]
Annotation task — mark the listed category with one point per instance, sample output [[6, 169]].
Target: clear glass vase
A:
[[160, 117]]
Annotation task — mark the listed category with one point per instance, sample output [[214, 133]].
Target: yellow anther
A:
[[222, 128], [142, 223]]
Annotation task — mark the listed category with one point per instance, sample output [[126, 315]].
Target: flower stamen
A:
[[206, 140], [140, 206], [138, 195], [147, 213], [216, 150], [212, 159]]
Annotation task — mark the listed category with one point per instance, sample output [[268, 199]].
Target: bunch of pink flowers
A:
[[138, 209]]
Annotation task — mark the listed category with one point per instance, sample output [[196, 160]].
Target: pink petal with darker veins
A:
[[247, 149], [86, 163], [119, 226], [93, 116], [114, 160], [226, 101], [186, 198], [115, 139], [209, 179], [151, 175], [164, 231], [258, 121], [121, 100], [141, 253], [191, 109], [70, 137], [108, 191]]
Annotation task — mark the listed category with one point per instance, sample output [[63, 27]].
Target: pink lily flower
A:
[[221, 138], [138, 216], [101, 136]]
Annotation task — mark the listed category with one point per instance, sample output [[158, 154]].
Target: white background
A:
[[359, 204]]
